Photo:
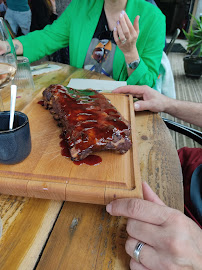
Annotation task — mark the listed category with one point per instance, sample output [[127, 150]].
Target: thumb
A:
[[136, 24], [142, 105], [150, 195]]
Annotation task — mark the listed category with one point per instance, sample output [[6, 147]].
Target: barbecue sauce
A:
[[41, 102], [92, 121], [89, 160]]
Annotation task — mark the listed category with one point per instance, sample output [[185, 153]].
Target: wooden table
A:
[[44, 234]]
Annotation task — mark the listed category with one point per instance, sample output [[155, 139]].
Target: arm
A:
[[38, 44], [150, 44], [125, 36], [154, 101], [190, 112], [146, 42], [172, 240], [53, 37]]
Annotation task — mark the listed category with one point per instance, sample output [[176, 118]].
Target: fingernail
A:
[[109, 208], [136, 106], [115, 28], [121, 15], [118, 22], [122, 12]]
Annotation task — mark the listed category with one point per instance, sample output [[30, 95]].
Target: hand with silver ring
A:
[[159, 237], [126, 34]]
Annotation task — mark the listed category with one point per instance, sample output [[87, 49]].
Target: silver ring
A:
[[124, 41], [136, 252]]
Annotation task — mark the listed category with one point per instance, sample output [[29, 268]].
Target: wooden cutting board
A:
[[45, 173]]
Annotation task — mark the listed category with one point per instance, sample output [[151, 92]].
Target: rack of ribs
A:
[[90, 123]]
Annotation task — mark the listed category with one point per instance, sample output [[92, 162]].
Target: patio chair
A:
[[165, 82], [169, 46]]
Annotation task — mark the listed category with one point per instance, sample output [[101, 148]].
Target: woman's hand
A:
[[4, 47], [126, 35], [172, 240]]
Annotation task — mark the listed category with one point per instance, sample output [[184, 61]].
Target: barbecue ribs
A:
[[89, 121]]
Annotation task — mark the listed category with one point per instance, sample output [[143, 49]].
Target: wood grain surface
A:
[[47, 234], [46, 174]]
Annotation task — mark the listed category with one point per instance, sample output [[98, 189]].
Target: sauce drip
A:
[[89, 160], [41, 102]]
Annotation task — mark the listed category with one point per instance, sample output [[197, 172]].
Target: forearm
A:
[[190, 112], [40, 43], [150, 59]]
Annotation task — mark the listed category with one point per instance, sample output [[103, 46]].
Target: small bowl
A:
[[15, 144]]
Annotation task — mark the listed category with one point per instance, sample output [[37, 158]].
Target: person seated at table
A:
[[123, 39], [160, 237]]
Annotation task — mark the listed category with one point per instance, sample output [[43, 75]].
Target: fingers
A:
[[140, 210], [132, 89], [130, 26], [142, 105], [136, 266], [136, 24], [150, 195], [124, 30], [145, 232], [148, 256]]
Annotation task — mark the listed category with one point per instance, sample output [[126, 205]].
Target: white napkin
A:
[[99, 85], [48, 68]]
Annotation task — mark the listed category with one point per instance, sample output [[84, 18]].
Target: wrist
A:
[[170, 105], [18, 47], [134, 64], [131, 56]]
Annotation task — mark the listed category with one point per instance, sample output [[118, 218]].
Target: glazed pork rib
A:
[[89, 121]]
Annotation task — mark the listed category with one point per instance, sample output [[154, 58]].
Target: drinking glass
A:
[[24, 81], [8, 64]]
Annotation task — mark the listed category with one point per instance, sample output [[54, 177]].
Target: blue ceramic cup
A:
[[15, 144]]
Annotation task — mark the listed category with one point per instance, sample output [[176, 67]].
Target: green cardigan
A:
[[76, 26]]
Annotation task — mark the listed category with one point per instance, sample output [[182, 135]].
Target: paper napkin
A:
[[99, 85]]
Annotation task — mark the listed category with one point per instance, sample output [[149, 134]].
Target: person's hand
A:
[[152, 100], [126, 34], [4, 47], [172, 240]]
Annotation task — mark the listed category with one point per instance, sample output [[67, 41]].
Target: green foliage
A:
[[194, 38]]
